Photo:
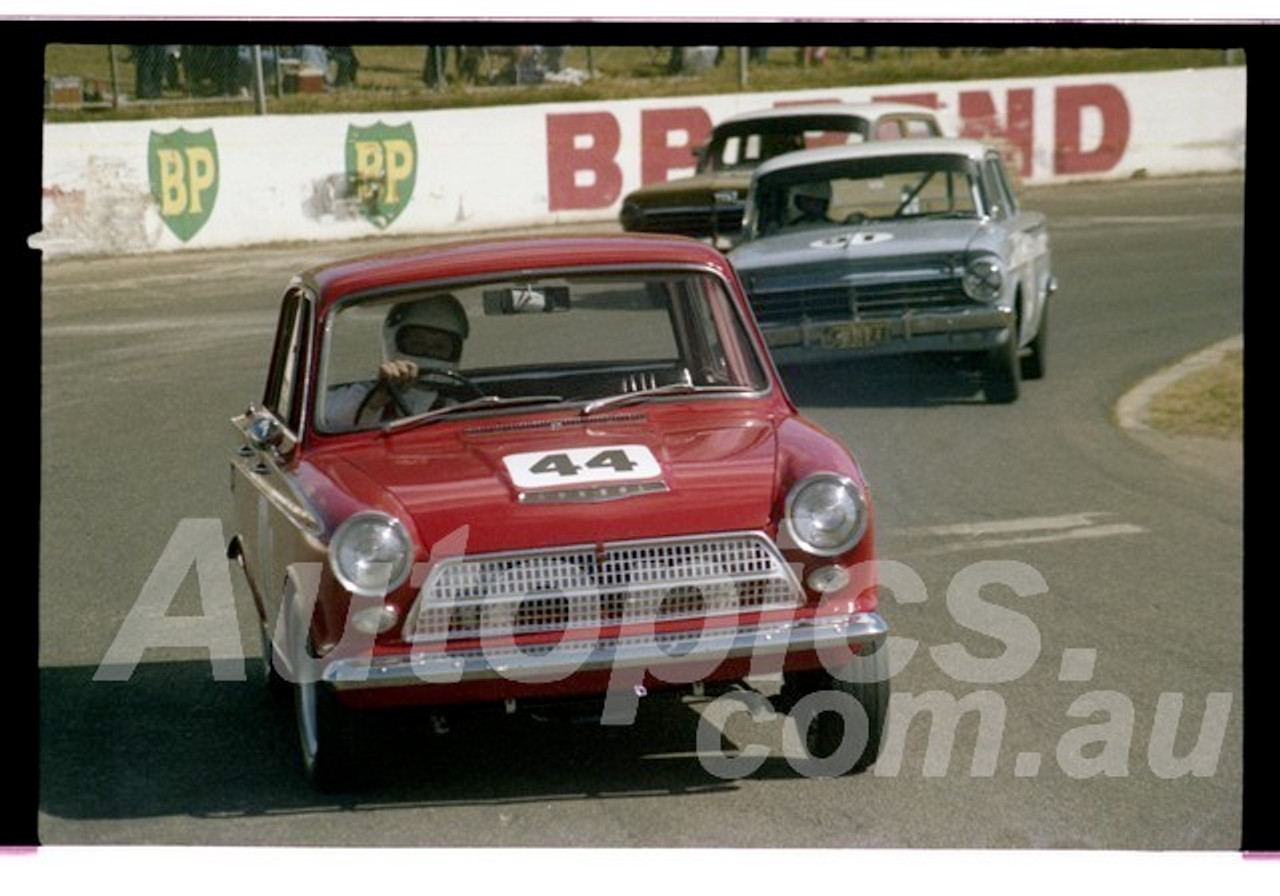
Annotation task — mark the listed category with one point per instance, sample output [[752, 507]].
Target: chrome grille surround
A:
[[840, 302], [584, 587]]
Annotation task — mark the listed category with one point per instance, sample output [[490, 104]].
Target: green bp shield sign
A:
[[382, 165], [183, 170]]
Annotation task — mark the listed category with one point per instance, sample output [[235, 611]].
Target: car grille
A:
[[781, 306], [689, 221], [585, 587]]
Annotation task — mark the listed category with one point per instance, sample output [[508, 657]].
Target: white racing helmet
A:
[[429, 332], [808, 199]]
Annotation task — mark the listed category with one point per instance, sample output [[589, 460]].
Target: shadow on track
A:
[[173, 741], [890, 381]]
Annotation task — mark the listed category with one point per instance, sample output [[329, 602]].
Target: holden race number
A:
[[581, 466]]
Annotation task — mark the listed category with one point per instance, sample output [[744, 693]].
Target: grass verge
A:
[[1207, 403]]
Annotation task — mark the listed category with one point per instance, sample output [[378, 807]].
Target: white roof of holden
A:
[[972, 149], [853, 110]]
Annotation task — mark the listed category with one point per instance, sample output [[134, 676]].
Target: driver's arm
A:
[[391, 373], [397, 373]]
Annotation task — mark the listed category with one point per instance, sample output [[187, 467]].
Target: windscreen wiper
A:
[[475, 404], [657, 391]]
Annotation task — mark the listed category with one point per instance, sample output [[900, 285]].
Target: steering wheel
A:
[[397, 393], [452, 376]]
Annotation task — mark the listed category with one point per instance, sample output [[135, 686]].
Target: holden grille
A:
[[585, 587], [689, 220], [840, 302]]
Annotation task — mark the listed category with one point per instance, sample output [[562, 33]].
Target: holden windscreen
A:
[[588, 339], [861, 190]]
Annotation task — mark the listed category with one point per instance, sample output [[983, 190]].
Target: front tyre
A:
[[1033, 364], [323, 726], [840, 718], [1002, 371]]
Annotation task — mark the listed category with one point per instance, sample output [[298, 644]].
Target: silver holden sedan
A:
[[890, 248]]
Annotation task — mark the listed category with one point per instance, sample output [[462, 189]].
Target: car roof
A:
[[506, 256], [853, 110], [971, 149]]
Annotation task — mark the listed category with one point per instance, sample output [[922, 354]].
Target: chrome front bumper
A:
[[764, 645], [952, 330]]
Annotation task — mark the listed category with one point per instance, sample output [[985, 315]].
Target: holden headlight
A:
[[826, 514], [984, 278], [371, 553]]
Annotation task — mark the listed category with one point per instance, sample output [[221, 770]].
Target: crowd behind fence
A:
[[274, 77], [160, 73], [118, 76]]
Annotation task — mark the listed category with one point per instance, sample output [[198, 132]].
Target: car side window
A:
[[997, 184], [921, 127], [888, 129], [283, 395]]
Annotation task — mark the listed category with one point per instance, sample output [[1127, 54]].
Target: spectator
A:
[[469, 60], [693, 60], [215, 69], [347, 65], [312, 56], [173, 66], [808, 56], [526, 65], [149, 59], [433, 67], [553, 58]]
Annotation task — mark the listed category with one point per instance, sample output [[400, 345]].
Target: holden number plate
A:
[[855, 334]]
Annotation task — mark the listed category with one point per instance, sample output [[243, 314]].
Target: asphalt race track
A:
[[1069, 602]]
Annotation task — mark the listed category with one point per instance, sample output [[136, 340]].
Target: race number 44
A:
[[581, 466]]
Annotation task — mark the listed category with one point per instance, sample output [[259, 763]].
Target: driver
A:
[[418, 337], [809, 203]]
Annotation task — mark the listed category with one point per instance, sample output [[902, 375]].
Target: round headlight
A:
[[370, 553], [984, 278], [826, 514]]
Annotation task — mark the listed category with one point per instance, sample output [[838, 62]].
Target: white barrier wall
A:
[[146, 186]]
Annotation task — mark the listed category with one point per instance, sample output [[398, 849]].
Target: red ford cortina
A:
[[544, 470]]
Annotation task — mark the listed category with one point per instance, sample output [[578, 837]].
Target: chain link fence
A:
[[115, 75], [119, 76], [310, 78]]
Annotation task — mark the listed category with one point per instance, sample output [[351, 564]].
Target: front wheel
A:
[[322, 723], [1033, 364], [840, 718], [323, 735], [1002, 371]]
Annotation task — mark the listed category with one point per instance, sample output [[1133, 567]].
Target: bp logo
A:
[[382, 164], [183, 168]]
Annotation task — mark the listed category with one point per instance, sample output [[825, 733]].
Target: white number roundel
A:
[[573, 467]]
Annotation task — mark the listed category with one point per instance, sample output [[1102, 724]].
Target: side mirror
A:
[[265, 432]]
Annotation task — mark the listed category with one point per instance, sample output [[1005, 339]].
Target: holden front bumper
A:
[[951, 330]]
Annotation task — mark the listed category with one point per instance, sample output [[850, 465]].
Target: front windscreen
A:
[[540, 342], [854, 191]]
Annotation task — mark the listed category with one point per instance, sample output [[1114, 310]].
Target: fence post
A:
[[259, 85], [115, 77], [742, 68], [437, 66], [279, 79]]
